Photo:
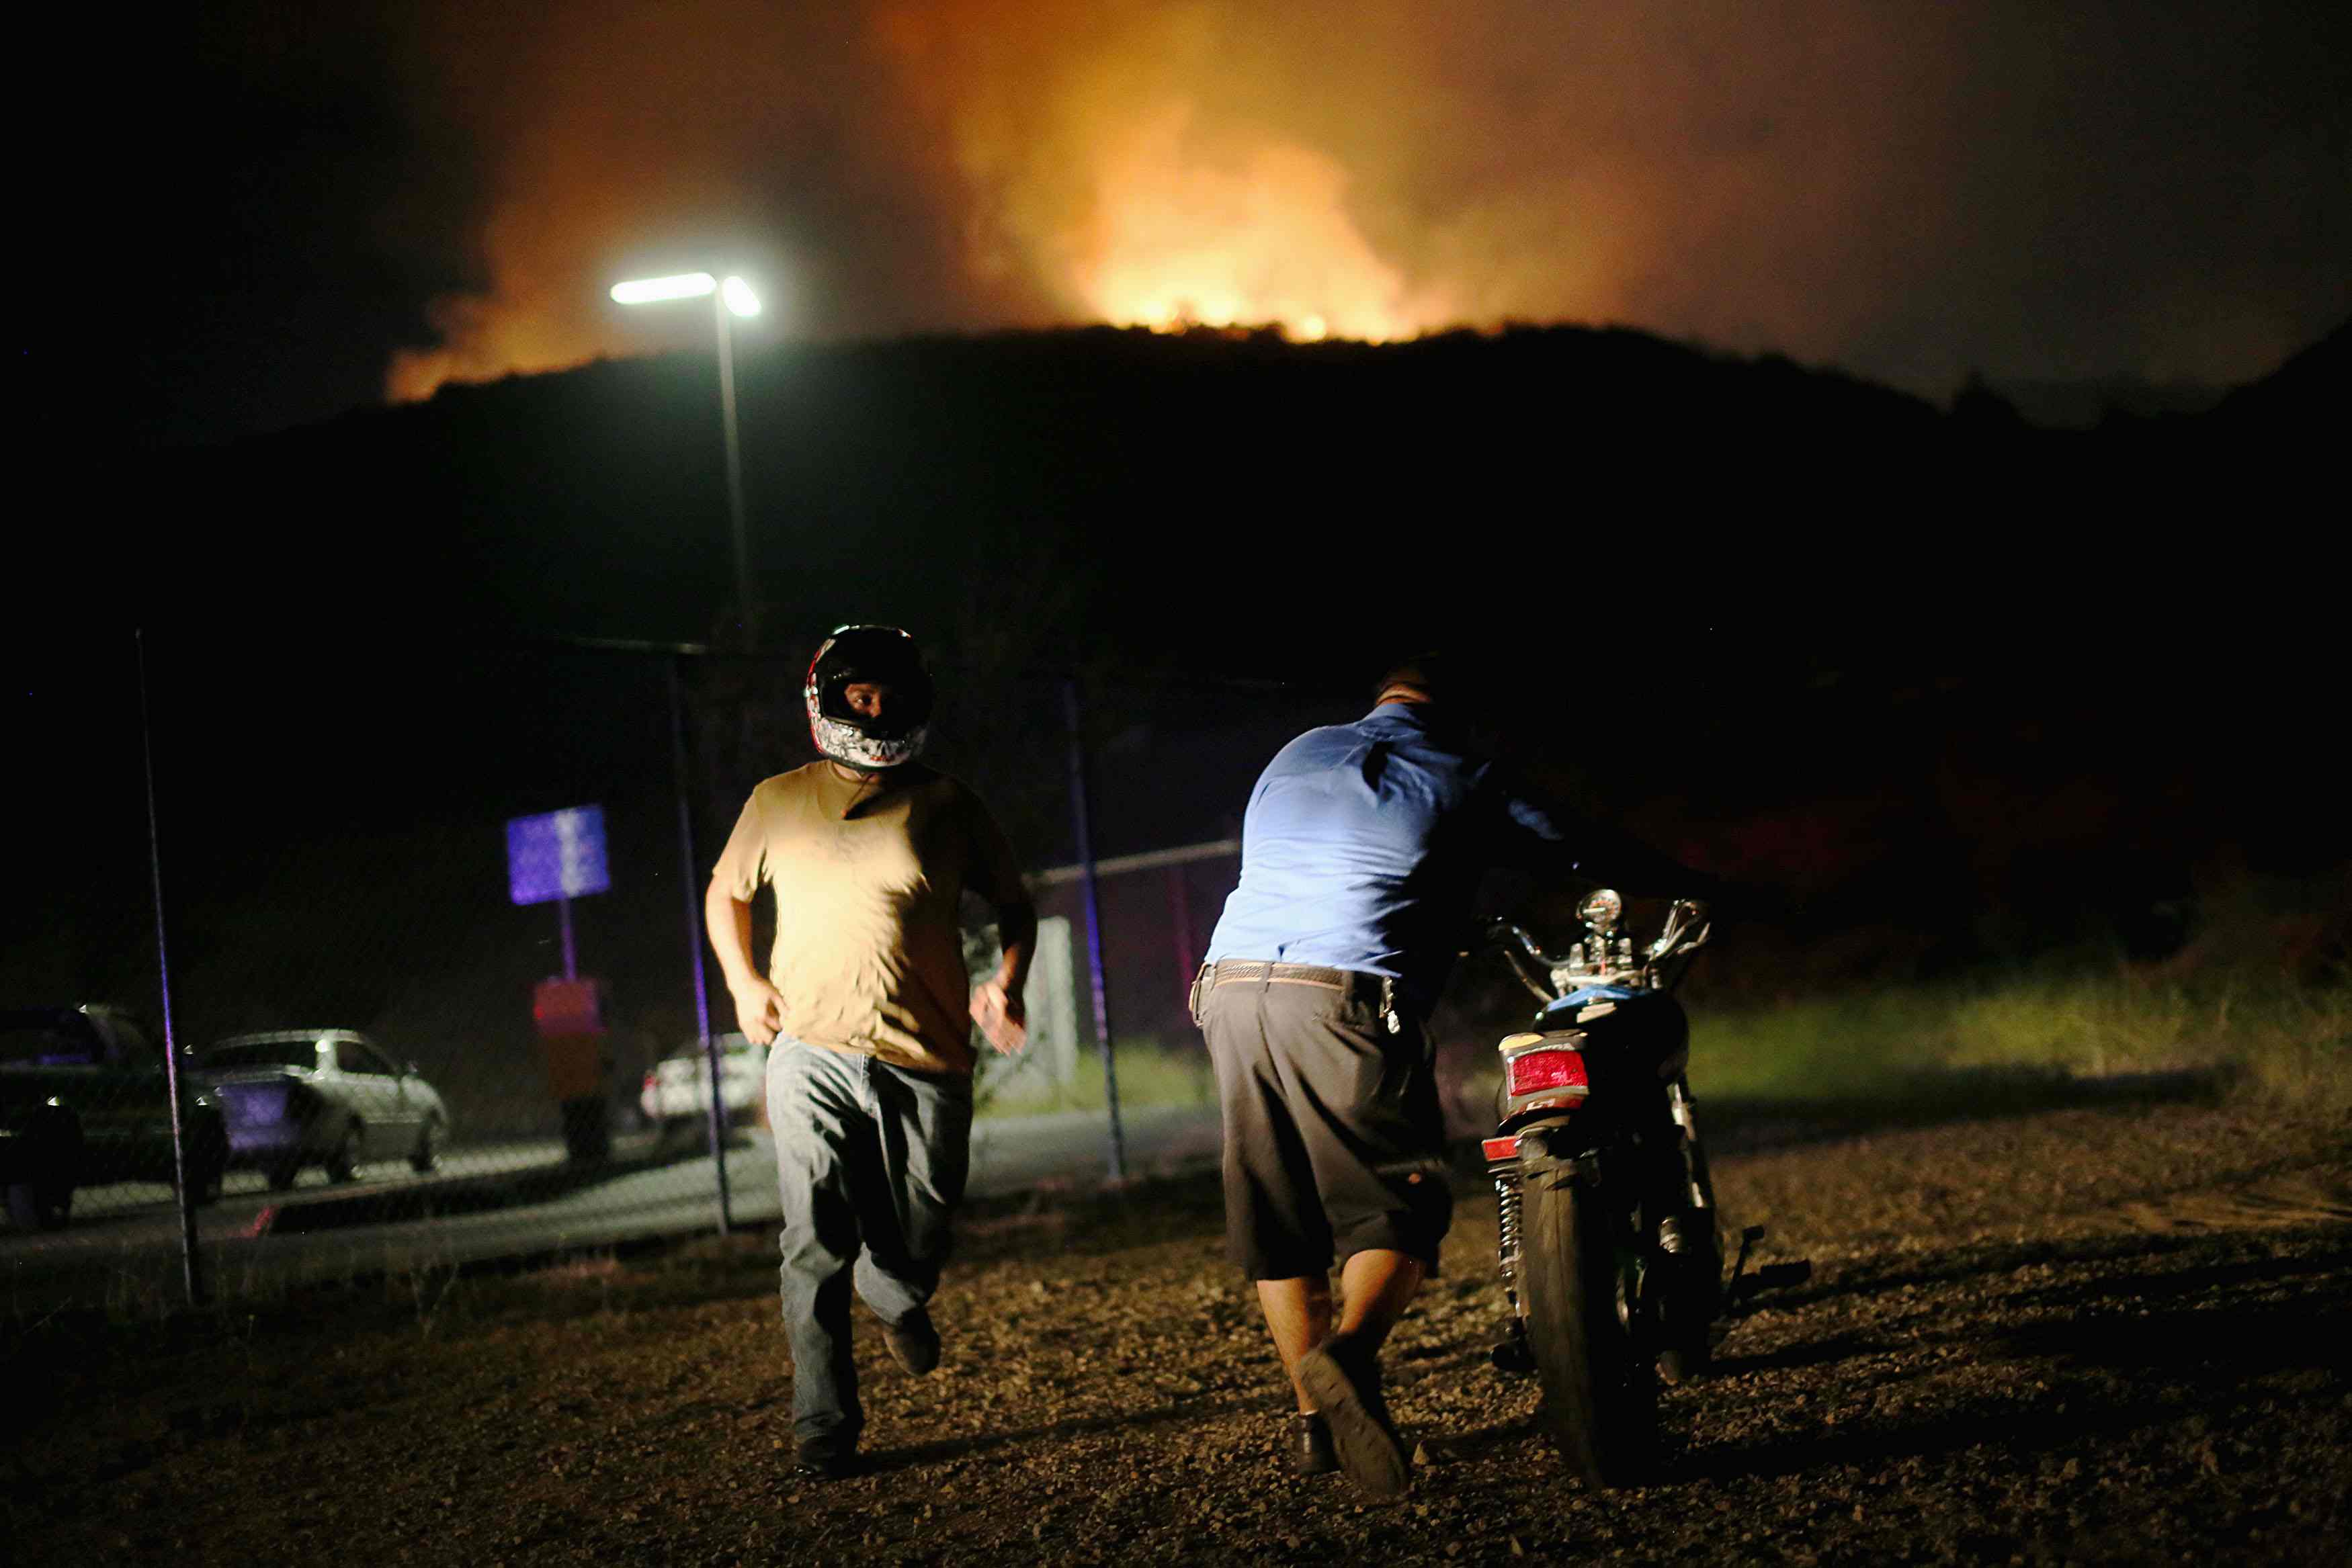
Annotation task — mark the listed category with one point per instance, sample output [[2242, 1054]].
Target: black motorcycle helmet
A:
[[884, 655]]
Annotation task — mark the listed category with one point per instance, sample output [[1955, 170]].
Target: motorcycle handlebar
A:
[[1687, 915], [1504, 934], [1687, 930], [1688, 927]]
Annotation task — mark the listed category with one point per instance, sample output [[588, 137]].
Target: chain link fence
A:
[[416, 932]]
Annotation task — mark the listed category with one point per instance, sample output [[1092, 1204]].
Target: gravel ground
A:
[[2098, 1335]]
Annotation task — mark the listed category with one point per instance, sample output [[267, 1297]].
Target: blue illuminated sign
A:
[[558, 855]]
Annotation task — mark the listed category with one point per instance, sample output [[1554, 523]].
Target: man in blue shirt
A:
[[1362, 848]]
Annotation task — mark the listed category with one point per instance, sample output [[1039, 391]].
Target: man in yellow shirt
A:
[[866, 999]]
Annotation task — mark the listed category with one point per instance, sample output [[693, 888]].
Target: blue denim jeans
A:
[[870, 1164]]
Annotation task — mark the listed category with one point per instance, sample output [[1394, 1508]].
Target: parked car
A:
[[327, 1097], [677, 1092], [85, 1100]]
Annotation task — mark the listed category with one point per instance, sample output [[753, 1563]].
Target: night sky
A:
[[294, 211]]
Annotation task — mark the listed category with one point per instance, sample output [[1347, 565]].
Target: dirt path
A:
[[2090, 1335]]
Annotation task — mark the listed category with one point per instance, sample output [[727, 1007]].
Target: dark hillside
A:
[[1123, 490], [1057, 472], [2307, 397]]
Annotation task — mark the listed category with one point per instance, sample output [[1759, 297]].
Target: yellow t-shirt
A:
[[867, 873]]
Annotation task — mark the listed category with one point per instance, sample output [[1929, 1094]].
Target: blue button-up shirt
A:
[[1362, 848]]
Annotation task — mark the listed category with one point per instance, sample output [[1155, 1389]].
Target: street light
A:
[[732, 298]]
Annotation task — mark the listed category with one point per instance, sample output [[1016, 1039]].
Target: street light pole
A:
[[732, 298], [747, 613]]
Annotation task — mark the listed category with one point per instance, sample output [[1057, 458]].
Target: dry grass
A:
[[2263, 1034]]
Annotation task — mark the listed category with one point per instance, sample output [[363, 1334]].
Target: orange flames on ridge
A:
[[1135, 168], [1267, 240]]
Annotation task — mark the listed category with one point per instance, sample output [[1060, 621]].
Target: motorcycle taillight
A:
[[1532, 1072]]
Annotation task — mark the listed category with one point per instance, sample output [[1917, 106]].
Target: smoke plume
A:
[[1906, 190]]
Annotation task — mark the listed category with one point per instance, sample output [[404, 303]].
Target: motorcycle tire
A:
[[1600, 1391]]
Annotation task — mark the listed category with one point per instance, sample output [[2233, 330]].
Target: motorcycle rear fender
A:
[[1543, 1144]]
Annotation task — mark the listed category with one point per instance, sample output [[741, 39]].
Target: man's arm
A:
[[726, 921], [758, 1007], [997, 1002], [1016, 928], [1560, 842]]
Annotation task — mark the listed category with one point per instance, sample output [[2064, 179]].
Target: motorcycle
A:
[[1609, 1245]]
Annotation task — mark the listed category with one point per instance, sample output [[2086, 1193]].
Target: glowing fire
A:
[[1103, 178], [1263, 239]]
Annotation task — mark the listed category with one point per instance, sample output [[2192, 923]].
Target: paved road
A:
[[123, 1249]]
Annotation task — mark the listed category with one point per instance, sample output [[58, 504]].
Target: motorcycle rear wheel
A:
[[1600, 1393]]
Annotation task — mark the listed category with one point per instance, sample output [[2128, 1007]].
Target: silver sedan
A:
[[327, 1097]]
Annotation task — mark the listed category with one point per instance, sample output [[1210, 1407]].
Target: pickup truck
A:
[[84, 1102]]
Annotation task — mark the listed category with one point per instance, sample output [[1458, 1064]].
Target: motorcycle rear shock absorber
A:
[[1511, 1353], [1507, 1234]]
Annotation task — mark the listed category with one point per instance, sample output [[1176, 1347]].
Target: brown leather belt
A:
[[1261, 972], [1225, 971]]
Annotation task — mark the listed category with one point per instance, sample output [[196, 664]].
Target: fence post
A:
[[1094, 923], [191, 1265], [710, 1053]]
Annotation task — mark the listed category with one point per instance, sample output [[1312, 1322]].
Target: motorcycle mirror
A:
[[1601, 909]]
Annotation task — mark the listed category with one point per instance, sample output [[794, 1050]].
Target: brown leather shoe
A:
[[1310, 1446], [1345, 1384]]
